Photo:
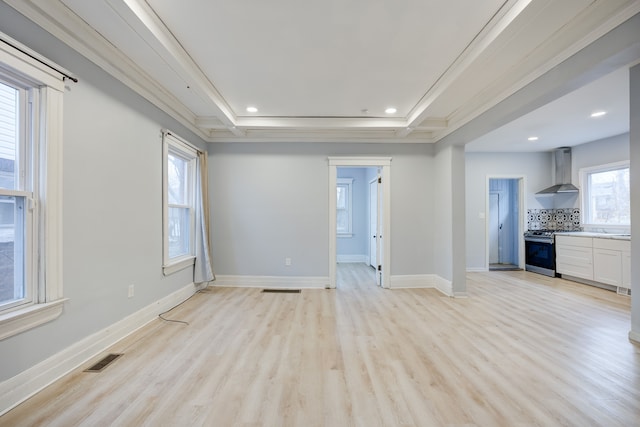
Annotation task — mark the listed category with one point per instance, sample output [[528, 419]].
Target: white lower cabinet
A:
[[607, 266], [574, 256], [602, 260], [626, 269]]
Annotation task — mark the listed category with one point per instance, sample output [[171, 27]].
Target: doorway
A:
[[504, 225], [357, 223], [376, 249]]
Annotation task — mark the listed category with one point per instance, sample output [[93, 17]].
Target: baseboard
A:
[[634, 336], [353, 258], [425, 281], [443, 285], [477, 269], [272, 282], [412, 281], [27, 383]]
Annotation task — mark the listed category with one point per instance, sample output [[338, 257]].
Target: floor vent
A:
[[98, 367], [282, 291], [624, 291]]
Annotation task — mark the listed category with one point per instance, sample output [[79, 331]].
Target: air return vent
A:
[[623, 291], [103, 363], [281, 291]]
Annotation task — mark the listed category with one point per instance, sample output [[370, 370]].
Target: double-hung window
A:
[[30, 190], [16, 219], [180, 169], [344, 207], [606, 196]]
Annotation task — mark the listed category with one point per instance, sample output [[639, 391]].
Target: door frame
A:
[[522, 206], [500, 194], [384, 259], [377, 245]]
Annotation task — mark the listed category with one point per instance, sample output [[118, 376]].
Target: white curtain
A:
[[203, 269]]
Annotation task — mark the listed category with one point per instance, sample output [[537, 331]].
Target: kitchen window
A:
[[30, 180], [606, 196], [179, 170], [343, 207]]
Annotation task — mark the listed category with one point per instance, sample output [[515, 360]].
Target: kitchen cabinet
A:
[[607, 260], [602, 260], [626, 269], [574, 256]]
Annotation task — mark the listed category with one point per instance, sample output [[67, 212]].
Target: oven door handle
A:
[[538, 240]]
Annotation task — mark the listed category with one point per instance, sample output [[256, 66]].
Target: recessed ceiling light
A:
[[532, 138], [598, 114], [390, 110], [252, 110]]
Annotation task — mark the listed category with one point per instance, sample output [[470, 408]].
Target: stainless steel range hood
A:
[[563, 184]]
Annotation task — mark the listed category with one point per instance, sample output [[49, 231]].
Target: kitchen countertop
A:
[[614, 236]]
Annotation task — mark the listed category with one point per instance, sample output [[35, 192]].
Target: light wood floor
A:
[[522, 350]]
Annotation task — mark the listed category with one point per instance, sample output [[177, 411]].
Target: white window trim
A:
[[349, 183], [584, 195], [172, 141], [48, 303]]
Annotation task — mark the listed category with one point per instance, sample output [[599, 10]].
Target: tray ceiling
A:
[[327, 70]]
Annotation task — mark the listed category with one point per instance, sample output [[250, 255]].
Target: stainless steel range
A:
[[540, 252]]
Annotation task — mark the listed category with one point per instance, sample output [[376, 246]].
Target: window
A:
[[606, 196], [16, 252], [30, 180], [343, 207], [180, 168]]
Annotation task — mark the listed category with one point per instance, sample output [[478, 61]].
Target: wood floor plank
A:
[[521, 350]]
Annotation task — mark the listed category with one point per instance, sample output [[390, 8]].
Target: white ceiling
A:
[[326, 71], [566, 121]]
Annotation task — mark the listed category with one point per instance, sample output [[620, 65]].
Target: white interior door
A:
[[373, 223]]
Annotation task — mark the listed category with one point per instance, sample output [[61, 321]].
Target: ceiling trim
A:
[[169, 49], [616, 49], [505, 16], [57, 19], [483, 103], [337, 136], [417, 127]]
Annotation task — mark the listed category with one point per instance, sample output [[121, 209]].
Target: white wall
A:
[[600, 152], [443, 219], [112, 216], [634, 138], [270, 201], [536, 170], [449, 200]]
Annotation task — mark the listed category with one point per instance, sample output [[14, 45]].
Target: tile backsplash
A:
[[553, 219]]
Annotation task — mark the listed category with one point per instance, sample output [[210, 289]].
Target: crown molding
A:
[[224, 126], [495, 94], [54, 17]]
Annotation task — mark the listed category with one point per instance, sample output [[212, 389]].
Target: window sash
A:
[[17, 276], [344, 205], [178, 232], [17, 239]]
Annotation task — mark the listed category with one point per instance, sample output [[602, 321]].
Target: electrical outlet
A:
[[131, 290], [287, 261]]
